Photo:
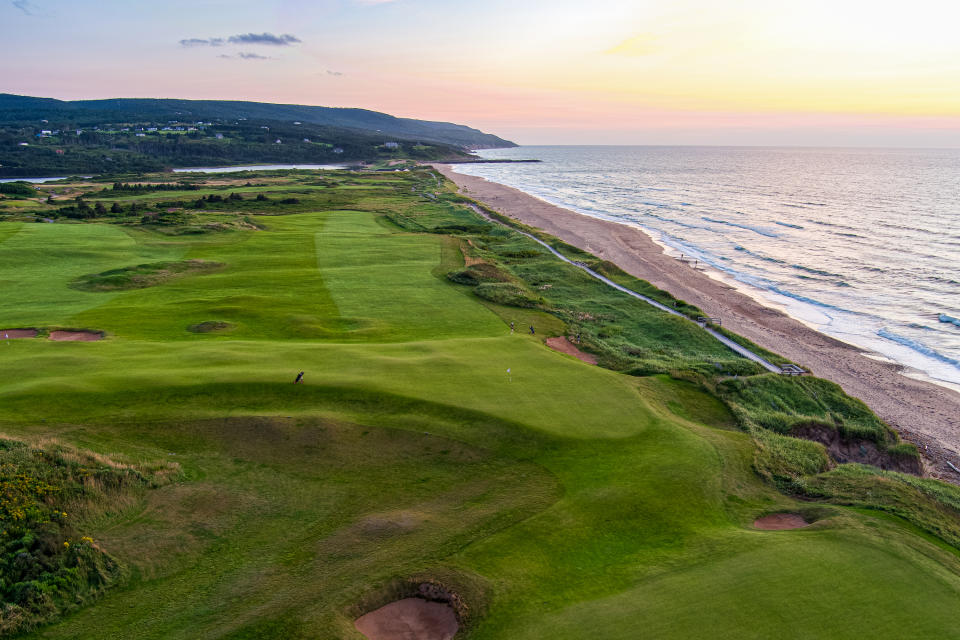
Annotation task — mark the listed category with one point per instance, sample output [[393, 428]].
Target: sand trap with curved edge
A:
[[780, 521], [409, 619], [76, 336], [11, 334]]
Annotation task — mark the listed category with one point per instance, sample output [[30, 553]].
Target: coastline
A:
[[922, 412]]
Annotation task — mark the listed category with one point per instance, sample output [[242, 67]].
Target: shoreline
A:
[[766, 298], [922, 412]]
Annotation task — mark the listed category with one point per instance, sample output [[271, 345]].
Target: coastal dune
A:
[[923, 413]]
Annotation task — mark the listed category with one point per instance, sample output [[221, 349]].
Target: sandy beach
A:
[[924, 413]]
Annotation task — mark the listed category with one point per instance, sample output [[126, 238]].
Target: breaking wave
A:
[[919, 347]]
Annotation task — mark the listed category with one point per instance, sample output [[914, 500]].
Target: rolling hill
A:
[[22, 110]]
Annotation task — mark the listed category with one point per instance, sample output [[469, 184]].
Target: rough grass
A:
[[49, 493], [932, 505], [782, 403]]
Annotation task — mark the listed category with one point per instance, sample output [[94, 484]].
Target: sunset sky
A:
[[838, 72]]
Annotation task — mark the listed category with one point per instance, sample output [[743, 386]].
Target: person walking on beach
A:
[[299, 379]]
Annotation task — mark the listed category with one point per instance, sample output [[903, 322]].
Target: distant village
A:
[[172, 127]]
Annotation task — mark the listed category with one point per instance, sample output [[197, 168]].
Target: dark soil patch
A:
[[210, 326], [82, 335], [780, 522], [409, 619], [142, 276], [858, 450], [11, 334]]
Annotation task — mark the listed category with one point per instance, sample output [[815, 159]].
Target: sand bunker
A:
[[563, 345], [409, 619], [780, 521], [76, 336], [10, 334]]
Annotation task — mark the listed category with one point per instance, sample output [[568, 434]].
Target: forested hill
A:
[[46, 137], [20, 110]]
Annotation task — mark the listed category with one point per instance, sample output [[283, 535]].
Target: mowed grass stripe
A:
[[384, 283], [9, 229]]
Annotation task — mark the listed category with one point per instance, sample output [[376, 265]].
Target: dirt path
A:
[[563, 345], [924, 413]]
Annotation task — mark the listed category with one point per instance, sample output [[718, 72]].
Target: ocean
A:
[[862, 244]]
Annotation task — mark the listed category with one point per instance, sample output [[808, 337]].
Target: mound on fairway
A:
[[409, 619], [780, 522], [142, 275], [11, 334], [209, 326], [76, 336]]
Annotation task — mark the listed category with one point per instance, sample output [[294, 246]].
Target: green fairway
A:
[[428, 442]]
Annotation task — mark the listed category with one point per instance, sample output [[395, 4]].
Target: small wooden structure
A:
[[709, 320], [792, 370]]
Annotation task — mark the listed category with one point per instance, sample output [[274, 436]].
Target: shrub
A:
[[47, 566], [18, 188]]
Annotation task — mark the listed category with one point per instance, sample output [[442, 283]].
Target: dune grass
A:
[[567, 500]]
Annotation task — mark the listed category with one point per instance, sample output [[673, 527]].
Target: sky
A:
[[747, 72]]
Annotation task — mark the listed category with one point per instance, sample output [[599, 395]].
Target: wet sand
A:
[[924, 413]]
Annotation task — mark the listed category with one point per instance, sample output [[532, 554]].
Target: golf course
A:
[[164, 477]]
